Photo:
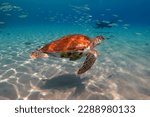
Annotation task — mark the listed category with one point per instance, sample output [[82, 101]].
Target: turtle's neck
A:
[[94, 42]]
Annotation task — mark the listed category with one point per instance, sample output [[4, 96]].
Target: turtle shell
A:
[[67, 43]]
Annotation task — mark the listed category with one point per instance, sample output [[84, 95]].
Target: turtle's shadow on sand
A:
[[64, 82]]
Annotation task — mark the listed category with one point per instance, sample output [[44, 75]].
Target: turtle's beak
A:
[[38, 54]]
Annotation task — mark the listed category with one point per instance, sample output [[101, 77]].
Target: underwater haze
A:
[[121, 71]]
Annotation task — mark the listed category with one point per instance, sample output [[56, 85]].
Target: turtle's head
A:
[[97, 40], [38, 54]]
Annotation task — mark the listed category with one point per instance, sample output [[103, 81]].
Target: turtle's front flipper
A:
[[90, 59]]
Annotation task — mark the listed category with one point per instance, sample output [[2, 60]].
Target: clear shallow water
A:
[[122, 70]]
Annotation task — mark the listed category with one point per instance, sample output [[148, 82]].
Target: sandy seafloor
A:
[[122, 70]]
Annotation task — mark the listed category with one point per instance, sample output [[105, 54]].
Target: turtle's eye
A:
[[100, 37]]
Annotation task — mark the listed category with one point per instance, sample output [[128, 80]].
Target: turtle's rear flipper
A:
[[90, 59]]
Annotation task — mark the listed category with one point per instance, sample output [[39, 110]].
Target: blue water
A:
[[122, 69]]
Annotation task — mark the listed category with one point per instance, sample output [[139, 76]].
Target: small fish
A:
[[105, 21], [8, 14], [90, 16], [120, 20], [115, 15], [113, 24], [5, 3], [22, 16], [1, 23], [81, 8], [137, 33], [126, 25]]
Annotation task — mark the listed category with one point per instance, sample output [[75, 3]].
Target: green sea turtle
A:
[[73, 47]]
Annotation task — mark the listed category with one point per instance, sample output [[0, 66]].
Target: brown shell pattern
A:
[[67, 43]]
